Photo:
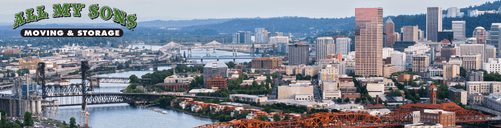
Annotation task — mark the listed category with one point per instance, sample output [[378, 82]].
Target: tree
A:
[[462, 72], [28, 121], [263, 118], [230, 64], [133, 79], [357, 100], [339, 100], [276, 117], [73, 123], [286, 117], [347, 100]]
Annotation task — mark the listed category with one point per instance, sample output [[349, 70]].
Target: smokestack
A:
[[377, 99]]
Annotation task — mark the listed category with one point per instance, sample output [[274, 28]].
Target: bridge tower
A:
[[189, 52], [207, 52], [234, 51], [155, 64], [252, 50], [40, 76], [84, 67]]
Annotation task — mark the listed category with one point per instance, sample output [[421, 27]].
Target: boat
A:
[[164, 112]]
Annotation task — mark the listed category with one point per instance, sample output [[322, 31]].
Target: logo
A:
[[60, 11]]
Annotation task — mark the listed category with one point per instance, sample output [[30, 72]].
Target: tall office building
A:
[[343, 45], [480, 34], [458, 29], [261, 35], [369, 41], [453, 12], [242, 37], [433, 22], [389, 30], [410, 33], [298, 53], [495, 34], [398, 59], [421, 35], [466, 49], [325, 46]]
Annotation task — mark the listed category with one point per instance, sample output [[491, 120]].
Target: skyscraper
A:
[[343, 45], [369, 41], [410, 33], [458, 29], [453, 12], [495, 34], [242, 37], [433, 22], [298, 53], [325, 46], [261, 35], [389, 30]]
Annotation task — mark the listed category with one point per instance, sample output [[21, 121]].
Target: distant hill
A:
[[180, 23], [280, 24]]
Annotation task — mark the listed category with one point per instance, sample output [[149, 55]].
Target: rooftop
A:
[[435, 111], [215, 64]]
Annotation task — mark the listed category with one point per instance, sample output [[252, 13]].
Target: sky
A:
[[147, 10]]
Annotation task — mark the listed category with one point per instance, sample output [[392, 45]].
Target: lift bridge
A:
[[84, 94]]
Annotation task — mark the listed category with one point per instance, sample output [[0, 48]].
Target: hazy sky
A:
[[203, 9]]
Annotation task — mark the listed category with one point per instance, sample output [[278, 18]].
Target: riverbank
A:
[[186, 112]]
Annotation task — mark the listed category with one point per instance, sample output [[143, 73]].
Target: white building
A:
[[387, 52], [248, 98], [493, 65], [493, 101], [418, 49], [330, 90], [343, 46], [325, 46], [483, 87], [375, 89], [289, 91], [261, 35], [452, 12], [398, 59]]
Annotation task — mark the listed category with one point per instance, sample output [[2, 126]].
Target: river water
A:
[[126, 116]]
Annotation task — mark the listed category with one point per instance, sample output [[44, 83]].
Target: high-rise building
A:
[[433, 22], [490, 52], [325, 46], [453, 12], [410, 33], [368, 41], [421, 35], [262, 35], [298, 53], [215, 68], [467, 49], [242, 37], [420, 63], [459, 28], [448, 51], [480, 34], [389, 30], [343, 45], [281, 43], [495, 34], [445, 35], [398, 59]]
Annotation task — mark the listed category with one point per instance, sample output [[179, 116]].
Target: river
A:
[[124, 115]]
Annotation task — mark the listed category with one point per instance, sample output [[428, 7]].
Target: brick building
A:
[[266, 62], [437, 116], [174, 86], [217, 81]]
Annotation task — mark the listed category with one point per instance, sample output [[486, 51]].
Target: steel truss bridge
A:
[[397, 118]]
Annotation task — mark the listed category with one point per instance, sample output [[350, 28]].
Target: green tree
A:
[[339, 100], [133, 79], [346, 100], [73, 123], [286, 117], [263, 118], [276, 117], [462, 72], [28, 121]]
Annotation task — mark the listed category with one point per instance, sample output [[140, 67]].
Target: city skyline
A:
[[220, 9]]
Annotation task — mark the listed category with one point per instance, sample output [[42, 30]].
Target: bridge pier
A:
[[202, 60]]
